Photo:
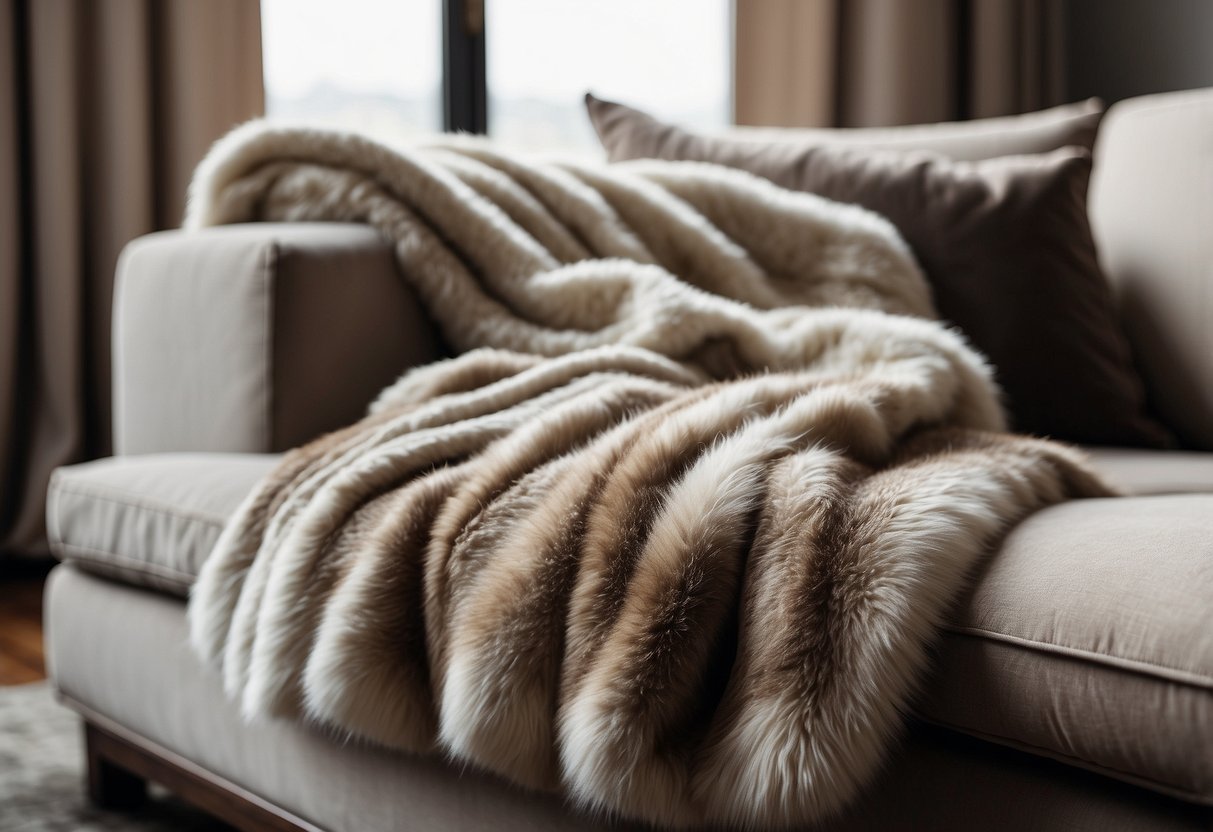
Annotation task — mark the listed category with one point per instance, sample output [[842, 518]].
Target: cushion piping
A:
[[1079, 762], [140, 502], [86, 555], [1185, 676]]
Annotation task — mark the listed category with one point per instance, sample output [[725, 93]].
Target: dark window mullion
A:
[[464, 86]]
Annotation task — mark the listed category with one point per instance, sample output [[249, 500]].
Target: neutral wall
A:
[[1122, 48]]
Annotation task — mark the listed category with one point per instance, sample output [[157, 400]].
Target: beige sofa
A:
[[1073, 688]]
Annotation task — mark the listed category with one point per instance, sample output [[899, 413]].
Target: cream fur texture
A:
[[674, 532]]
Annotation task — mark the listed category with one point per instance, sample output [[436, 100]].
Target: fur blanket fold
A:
[[674, 532]]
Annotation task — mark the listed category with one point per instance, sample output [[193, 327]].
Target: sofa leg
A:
[[119, 769], [109, 785]]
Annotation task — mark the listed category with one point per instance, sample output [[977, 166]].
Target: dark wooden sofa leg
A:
[[109, 785], [119, 770]]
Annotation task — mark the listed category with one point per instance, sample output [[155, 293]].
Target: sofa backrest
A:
[[1151, 206]]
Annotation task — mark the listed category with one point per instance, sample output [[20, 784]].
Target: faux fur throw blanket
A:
[[674, 532]]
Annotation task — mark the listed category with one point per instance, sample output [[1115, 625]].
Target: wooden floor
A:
[[21, 659]]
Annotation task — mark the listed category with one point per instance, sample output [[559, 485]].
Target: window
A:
[[672, 56], [369, 65], [376, 65]]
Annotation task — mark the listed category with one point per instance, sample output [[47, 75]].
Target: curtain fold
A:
[[877, 63], [105, 107]]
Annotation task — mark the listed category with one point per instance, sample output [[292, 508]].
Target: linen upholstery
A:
[[148, 520], [119, 652], [1142, 472], [1152, 211], [1005, 243], [257, 338], [1087, 637]]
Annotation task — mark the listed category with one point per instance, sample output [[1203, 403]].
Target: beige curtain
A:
[[105, 107], [875, 63]]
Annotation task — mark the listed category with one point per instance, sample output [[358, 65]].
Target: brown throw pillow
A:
[[1005, 243], [985, 138]]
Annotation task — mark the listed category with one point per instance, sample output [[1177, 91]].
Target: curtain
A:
[[876, 63], [105, 108]]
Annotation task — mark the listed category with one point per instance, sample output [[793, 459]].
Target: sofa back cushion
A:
[[1152, 214], [1005, 243]]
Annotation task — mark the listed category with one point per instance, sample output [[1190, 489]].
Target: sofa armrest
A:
[[257, 338]]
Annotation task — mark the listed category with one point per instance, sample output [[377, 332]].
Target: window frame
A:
[[463, 84], [464, 71]]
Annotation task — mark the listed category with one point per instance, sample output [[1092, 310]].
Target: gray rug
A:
[[42, 775]]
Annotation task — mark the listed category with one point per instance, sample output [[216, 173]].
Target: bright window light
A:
[[672, 57], [374, 66]]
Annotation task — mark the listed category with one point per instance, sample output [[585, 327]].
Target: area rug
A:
[[42, 775]]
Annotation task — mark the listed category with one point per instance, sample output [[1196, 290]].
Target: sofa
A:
[[1071, 689]]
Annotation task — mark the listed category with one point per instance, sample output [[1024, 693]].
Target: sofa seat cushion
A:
[[148, 520], [1088, 637], [1142, 472]]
